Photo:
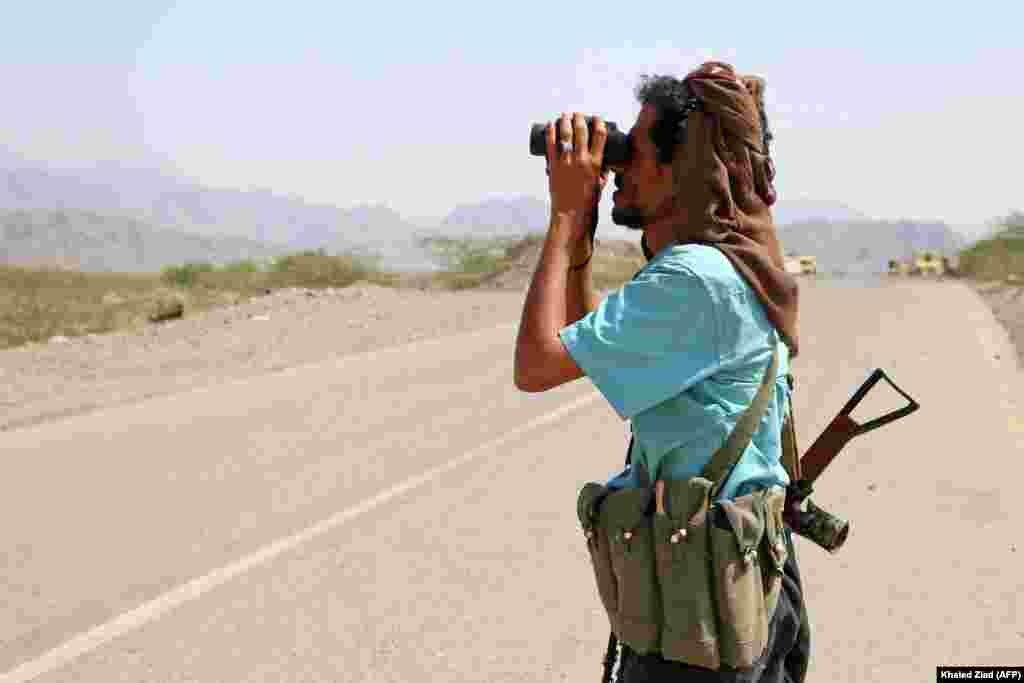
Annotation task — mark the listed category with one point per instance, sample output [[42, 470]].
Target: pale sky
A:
[[898, 109]]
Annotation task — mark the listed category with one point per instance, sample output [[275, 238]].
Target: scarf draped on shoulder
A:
[[723, 175]]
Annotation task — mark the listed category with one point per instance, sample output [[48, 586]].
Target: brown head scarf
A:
[[723, 176]]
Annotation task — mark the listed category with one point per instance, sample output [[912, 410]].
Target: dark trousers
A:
[[784, 661]]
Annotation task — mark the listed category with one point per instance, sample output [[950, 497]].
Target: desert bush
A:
[[611, 271], [283, 264], [316, 269], [36, 304], [186, 274], [164, 305], [244, 266], [1000, 257], [472, 256]]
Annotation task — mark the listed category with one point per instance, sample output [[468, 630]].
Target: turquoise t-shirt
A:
[[680, 350]]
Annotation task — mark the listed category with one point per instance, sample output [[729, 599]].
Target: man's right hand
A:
[[575, 177]]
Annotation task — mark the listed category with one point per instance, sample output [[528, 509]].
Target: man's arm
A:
[[557, 295], [582, 298], [555, 299]]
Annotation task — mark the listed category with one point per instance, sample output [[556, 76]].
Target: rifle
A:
[[810, 521]]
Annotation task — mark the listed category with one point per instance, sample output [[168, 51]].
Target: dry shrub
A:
[[166, 305], [36, 304]]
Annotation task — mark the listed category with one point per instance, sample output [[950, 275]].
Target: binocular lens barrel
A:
[[616, 149]]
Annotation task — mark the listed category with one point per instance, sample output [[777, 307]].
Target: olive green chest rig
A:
[[681, 573]]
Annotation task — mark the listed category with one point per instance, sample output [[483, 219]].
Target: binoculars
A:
[[617, 149]]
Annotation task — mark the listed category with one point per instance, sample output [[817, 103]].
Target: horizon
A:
[[429, 222], [268, 98]]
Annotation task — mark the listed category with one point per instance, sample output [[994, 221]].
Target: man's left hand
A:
[[575, 175]]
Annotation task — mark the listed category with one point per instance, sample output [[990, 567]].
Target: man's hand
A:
[[575, 177]]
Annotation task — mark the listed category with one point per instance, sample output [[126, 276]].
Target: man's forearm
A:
[[581, 298], [544, 311]]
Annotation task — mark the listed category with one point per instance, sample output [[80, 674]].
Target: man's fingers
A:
[[598, 141], [582, 136], [565, 133]]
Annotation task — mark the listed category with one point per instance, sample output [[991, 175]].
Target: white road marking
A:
[[98, 636]]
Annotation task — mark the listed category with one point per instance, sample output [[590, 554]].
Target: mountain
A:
[[375, 231], [514, 216], [788, 211], [136, 209], [498, 217], [90, 241], [842, 238], [865, 247], [517, 215], [134, 197]]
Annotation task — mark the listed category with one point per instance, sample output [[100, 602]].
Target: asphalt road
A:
[[408, 515]]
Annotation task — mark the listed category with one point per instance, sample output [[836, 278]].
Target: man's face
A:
[[643, 186]]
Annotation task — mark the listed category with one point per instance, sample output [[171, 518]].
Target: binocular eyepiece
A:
[[617, 149]]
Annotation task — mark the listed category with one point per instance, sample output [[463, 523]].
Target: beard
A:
[[629, 217]]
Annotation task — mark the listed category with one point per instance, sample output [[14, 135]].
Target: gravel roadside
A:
[[49, 381], [1007, 304], [63, 377]]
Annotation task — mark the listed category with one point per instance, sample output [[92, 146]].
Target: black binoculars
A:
[[617, 149]]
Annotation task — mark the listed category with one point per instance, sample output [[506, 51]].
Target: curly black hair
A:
[[669, 96], [673, 99]]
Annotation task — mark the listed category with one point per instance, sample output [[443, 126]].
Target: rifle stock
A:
[[801, 514]]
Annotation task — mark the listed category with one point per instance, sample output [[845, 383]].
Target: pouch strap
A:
[[726, 457]]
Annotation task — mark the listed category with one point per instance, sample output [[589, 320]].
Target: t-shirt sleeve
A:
[[648, 341]]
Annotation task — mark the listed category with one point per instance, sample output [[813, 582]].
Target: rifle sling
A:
[[726, 457]]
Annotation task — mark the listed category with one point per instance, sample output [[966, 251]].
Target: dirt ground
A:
[[205, 481], [67, 376], [47, 381], [1007, 303]]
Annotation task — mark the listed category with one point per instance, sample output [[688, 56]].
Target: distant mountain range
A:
[[141, 201], [114, 218], [788, 211], [843, 239], [865, 247], [84, 240], [506, 216]]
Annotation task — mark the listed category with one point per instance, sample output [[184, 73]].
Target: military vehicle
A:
[[801, 265], [808, 265], [928, 263], [899, 267]]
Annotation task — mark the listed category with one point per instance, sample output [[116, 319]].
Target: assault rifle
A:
[[801, 514]]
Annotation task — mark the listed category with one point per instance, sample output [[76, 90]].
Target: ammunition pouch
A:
[[698, 583], [694, 578]]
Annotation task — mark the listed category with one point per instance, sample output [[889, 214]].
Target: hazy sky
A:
[[901, 110]]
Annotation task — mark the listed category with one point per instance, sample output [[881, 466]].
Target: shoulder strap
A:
[[726, 457]]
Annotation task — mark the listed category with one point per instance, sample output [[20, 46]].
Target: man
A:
[[681, 349]]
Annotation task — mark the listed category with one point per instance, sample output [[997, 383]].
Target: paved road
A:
[[407, 515]]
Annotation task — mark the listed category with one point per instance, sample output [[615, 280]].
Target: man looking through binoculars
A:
[[682, 351]]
